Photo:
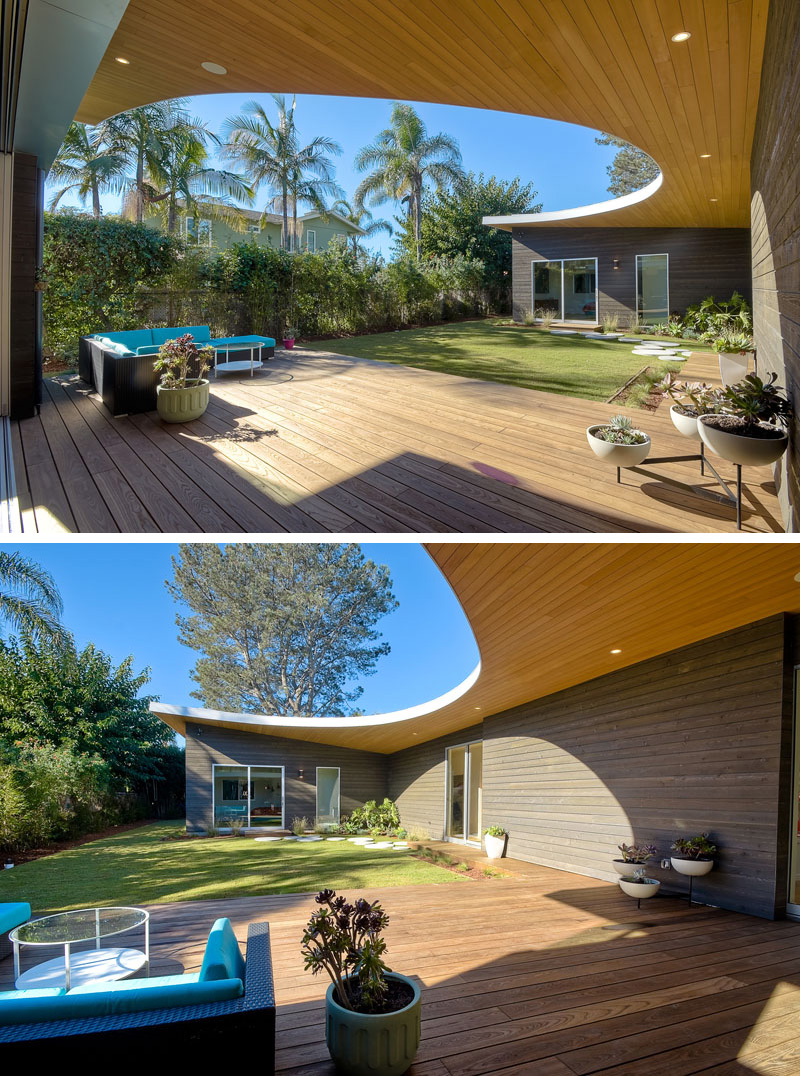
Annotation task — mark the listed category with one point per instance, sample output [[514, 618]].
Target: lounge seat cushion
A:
[[263, 341], [130, 338], [201, 334], [223, 958], [13, 914], [148, 349]]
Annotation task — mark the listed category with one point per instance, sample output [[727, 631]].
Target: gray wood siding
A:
[[25, 357], [775, 227], [702, 261], [416, 782], [363, 774]]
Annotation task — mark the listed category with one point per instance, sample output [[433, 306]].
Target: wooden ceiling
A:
[[607, 64], [546, 616]]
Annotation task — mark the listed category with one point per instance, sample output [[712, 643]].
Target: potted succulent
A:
[[289, 337], [633, 855], [748, 429], [693, 855], [690, 399], [179, 397], [372, 1014], [619, 442], [639, 885], [733, 350], [494, 840]]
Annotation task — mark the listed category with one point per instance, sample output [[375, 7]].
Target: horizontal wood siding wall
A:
[[775, 225], [416, 782], [363, 774], [688, 742], [25, 356], [702, 261]]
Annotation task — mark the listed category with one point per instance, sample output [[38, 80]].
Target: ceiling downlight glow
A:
[[214, 69], [684, 35], [121, 60]]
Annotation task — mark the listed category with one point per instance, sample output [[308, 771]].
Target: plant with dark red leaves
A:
[[176, 358], [344, 939]]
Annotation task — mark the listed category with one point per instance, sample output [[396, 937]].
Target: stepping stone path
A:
[[311, 837], [336, 838], [265, 839], [564, 332]]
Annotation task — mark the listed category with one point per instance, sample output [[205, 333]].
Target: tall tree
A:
[[29, 599], [452, 224], [402, 160], [362, 218], [281, 629], [87, 165], [631, 168], [271, 154], [141, 136]]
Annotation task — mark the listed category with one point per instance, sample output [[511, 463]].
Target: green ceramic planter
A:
[[182, 405], [363, 1045]]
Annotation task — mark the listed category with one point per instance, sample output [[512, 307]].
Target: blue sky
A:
[[562, 161], [114, 596]]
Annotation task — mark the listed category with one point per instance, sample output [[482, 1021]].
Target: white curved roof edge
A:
[[191, 713], [610, 205]]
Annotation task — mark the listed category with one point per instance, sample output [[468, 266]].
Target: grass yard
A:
[[138, 867], [496, 351]]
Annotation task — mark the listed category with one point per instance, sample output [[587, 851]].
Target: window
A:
[[197, 231], [253, 229], [311, 241], [566, 288], [252, 795]]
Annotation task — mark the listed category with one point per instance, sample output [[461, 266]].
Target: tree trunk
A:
[[171, 215], [285, 235], [140, 186], [96, 200], [418, 217], [294, 224]]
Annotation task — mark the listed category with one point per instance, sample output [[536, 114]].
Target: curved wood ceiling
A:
[[607, 64], [547, 615]]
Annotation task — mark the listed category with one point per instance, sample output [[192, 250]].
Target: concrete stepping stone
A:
[[310, 837], [265, 839], [564, 332], [336, 838]]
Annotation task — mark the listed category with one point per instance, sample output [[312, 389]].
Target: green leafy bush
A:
[[383, 818]]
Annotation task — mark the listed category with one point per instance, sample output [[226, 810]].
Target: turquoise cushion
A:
[[131, 339], [263, 341], [132, 996], [137, 984], [12, 915], [223, 957], [201, 333], [148, 349]]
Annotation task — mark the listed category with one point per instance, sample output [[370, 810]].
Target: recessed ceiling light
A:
[[705, 155], [214, 69], [713, 199], [797, 578], [684, 35], [616, 651], [121, 60]]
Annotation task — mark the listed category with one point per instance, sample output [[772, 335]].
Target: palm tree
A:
[[29, 598], [181, 179], [270, 153], [403, 158], [86, 164], [141, 135], [363, 219]]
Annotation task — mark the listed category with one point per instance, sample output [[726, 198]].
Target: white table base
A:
[[95, 966]]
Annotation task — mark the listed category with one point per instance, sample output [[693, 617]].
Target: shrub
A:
[[383, 818], [699, 847], [299, 826], [713, 316]]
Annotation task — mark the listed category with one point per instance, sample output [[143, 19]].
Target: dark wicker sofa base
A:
[[197, 1033]]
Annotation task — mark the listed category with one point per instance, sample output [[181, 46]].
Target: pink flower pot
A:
[[289, 344]]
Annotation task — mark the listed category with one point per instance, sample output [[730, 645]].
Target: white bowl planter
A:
[[647, 888], [495, 846], [684, 424], [625, 869], [739, 448], [695, 867], [617, 455]]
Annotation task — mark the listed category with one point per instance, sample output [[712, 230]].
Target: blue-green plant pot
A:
[[182, 405], [364, 1045]]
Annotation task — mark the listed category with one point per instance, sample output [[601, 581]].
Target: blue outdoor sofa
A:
[[11, 915], [120, 365], [229, 1003]]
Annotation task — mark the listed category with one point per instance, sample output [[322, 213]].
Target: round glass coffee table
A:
[[224, 364], [94, 965]]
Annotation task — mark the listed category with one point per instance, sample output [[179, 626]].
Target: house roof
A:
[[547, 616], [605, 65]]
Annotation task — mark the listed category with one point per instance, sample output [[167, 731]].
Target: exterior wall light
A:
[[615, 263], [301, 774]]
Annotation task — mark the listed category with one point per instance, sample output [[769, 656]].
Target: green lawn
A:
[[138, 867], [497, 351]]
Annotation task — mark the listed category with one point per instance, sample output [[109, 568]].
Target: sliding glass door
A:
[[252, 795], [652, 288], [328, 795], [464, 779], [565, 289]]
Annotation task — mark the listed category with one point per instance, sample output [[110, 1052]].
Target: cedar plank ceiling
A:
[[546, 616], [607, 64]]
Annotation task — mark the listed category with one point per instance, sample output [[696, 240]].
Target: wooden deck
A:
[[325, 443], [544, 974]]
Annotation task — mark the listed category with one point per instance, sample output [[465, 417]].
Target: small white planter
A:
[[617, 455], [695, 867], [733, 366], [625, 869], [684, 424], [737, 448], [495, 846], [640, 890]]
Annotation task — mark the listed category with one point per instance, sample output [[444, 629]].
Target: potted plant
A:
[[693, 855], [733, 350], [179, 397], [494, 840], [690, 399], [749, 427], [639, 885], [619, 442], [372, 1014], [289, 337], [633, 855]]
